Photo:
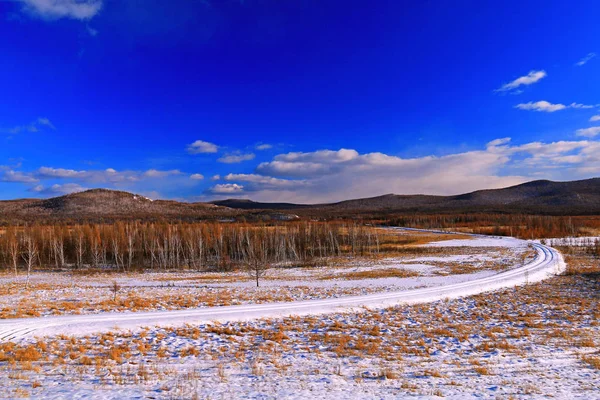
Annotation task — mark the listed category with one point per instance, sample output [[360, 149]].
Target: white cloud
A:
[[73, 180], [544, 106], [92, 31], [577, 105], [499, 142], [16, 176], [154, 173], [227, 188], [327, 175], [257, 182], [56, 9], [588, 132], [200, 147], [595, 118], [48, 172], [197, 177], [45, 122], [529, 79], [108, 175], [263, 146], [234, 158], [215, 177], [58, 190], [541, 106], [585, 59], [33, 127]]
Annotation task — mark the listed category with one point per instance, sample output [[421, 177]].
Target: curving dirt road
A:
[[548, 262]]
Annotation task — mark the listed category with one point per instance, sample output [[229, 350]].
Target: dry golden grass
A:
[[557, 314], [29, 353], [189, 351], [482, 370], [579, 264], [373, 274], [592, 361]]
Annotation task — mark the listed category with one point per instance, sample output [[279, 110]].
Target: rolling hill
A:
[[537, 197], [98, 205]]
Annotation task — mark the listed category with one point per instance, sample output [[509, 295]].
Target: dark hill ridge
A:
[[244, 204], [576, 197], [537, 197], [106, 205]]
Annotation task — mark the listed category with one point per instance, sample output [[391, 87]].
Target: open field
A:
[[305, 200], [532, 341], [428, 260]]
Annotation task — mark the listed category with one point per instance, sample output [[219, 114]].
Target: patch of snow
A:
[[480, 242]]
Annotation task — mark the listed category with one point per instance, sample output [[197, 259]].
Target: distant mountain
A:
[[537, 197], [244, 204], [545, 197], [107, 205]]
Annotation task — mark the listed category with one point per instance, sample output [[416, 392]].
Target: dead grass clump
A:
[[28, 353], [375, 274], [579, 263], [585, 342], [593, 361], [85, 360], [278, 336], [433, 373], [481, 370], [189, 351], [118, 353], [388, 373], [162, 352]]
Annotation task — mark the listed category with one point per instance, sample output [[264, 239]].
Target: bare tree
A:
[[115, 288], [13, 248], [30, 255], [96, 250], [79, 247], [258, 256], [116, 249], [130, 233], [195, 245], [58, 249]]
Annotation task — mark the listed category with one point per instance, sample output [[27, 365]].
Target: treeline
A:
[[588, 245], [521, 226], [126, 246]]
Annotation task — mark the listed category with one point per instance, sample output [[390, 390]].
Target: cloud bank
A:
[[201, 147], [545, 106], [526, 80], [56, 9], [235, 158], [585, 59], [333, 175]]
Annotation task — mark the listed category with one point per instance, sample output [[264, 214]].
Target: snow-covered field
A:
[[571, 241], [436, 265], [536, 340]]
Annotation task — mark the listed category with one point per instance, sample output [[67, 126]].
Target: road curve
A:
[[548, 262]]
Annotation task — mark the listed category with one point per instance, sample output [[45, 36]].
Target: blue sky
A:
[[305, 101]]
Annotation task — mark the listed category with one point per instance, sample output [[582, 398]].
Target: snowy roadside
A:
[[547, 263]]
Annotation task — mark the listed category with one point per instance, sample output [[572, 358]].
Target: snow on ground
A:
[[547, 263], [64, 293], [571, 241], [481, 242], [536, 341]]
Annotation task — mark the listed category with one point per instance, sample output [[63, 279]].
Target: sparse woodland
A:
[[127, 246], [517, 225]]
